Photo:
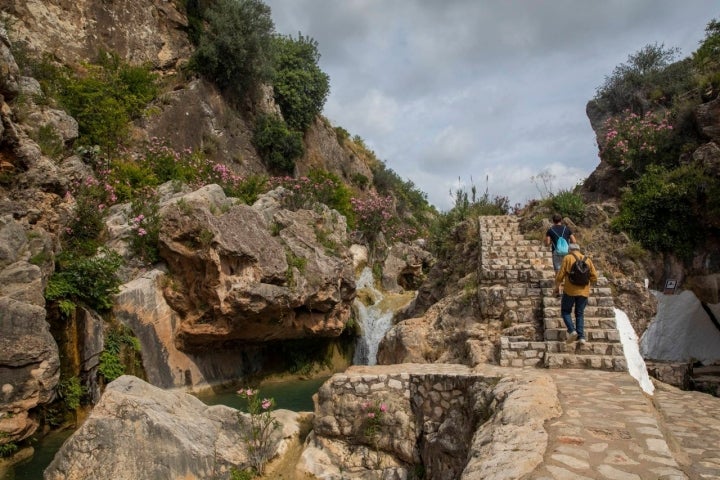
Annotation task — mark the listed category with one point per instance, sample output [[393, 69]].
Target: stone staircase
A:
[[519, 272]]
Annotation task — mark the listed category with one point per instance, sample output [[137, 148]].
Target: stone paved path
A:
[[610, 429]]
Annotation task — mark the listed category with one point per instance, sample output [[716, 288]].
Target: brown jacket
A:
[[562, 275]]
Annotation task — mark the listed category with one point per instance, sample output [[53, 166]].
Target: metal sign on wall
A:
[[670, 286]]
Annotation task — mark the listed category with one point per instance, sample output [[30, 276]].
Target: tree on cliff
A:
[[301, 88], [234, 50]]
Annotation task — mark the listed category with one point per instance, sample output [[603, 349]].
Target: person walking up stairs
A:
[[517, 273]]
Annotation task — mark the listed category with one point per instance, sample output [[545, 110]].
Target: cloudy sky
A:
[[443, 90]]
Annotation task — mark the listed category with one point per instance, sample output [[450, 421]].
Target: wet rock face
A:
[[29, 366], [237, 277]]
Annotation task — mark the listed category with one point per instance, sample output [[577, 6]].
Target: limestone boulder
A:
[[23, 281], [12, 240], [138, 431], [708, 156], [237, 277], [405, 267], [708, 118], [30, 366], [682, 331], [450, 331], [63, 125]]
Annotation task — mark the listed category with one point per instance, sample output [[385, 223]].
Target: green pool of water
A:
[[295, 395]]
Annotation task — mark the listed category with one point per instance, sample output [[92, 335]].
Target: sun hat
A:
[[573, 246]]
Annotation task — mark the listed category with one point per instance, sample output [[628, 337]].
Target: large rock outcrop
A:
[[29, 358], [237, 276], [140, 31], [138, 432]]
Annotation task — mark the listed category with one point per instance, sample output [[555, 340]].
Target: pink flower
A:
[[266, 403], [371, 414], [383, 407]]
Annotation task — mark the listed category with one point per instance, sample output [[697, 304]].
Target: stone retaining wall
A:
[[396, 419]]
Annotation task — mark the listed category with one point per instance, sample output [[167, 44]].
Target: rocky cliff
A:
[[230, 277]]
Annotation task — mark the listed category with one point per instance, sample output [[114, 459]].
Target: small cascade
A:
[[374, 312]]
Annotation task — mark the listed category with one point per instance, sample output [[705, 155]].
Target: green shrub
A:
[[92, 280], [707, 57], [111, 364], [105, 97], [568, 204], [8, 449], [671, 210], [300, 87], [130, 176], [50, 142], [278, 146], [319, 186], [633, 81], [235, 48], [341, 134], [466, 205], [249, 189], [71, 391], [87, 224]]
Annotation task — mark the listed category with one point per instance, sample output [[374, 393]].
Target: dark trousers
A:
[[566, 307]]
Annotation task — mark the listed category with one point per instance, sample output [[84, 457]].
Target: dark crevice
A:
[[710, 313]]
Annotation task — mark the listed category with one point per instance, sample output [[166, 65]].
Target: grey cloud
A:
[[516, 74]]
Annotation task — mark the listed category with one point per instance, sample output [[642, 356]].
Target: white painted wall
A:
[[682, 331]]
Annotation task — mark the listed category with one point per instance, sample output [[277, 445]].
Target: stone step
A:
[[592, 347], [537, 259], [515, 246], [592, 335], [538, 264], [598, 362], [590, 311], [594, 300], [707, 370], [601, 323]]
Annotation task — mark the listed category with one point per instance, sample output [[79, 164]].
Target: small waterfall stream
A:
[[374, 312]]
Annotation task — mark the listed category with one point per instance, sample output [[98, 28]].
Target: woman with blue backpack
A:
[[558, 236]]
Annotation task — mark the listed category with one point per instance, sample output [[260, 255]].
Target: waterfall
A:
[[374, 313]]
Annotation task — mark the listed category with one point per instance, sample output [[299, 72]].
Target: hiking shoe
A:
[[571, 337], [582, 341]]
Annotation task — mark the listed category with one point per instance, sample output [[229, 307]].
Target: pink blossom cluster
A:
[[632, 138], [303, 192], [374, 214], [404, 234], [137, 225], [101, 189]]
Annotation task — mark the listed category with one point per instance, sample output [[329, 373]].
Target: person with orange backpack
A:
[[576, 274]]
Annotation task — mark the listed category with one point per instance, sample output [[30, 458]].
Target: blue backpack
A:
[[561, 246]]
